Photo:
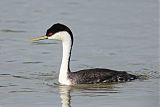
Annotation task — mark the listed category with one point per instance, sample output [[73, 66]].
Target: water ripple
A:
[[1, 86], [22, 77], [21, 91], [5, 74], [10, 60], [43, 43], [12, 31], [32, 62]]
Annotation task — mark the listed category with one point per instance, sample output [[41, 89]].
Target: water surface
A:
[[119, 34]]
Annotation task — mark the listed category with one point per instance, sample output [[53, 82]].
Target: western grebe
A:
[[87, 76]]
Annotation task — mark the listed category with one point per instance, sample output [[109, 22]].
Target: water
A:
[[119, 34]]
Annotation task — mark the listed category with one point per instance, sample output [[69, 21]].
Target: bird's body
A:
[[99, 75], [86, 76]]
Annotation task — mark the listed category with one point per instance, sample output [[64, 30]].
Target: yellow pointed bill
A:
[[40, 38]]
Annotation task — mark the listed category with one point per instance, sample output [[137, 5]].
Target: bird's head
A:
[[57, 32]]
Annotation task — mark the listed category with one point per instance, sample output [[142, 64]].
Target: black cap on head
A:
[[57, 28]]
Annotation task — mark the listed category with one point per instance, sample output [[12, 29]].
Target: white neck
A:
[[67, 45]]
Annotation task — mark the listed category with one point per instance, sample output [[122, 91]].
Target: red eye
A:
[[50, 34]]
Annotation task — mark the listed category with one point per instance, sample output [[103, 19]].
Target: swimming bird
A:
[[87, 76]]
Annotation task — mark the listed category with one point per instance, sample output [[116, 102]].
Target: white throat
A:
[[64, 70]]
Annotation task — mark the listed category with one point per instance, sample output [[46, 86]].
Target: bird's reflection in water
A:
[[65, 95], [85, 90]]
